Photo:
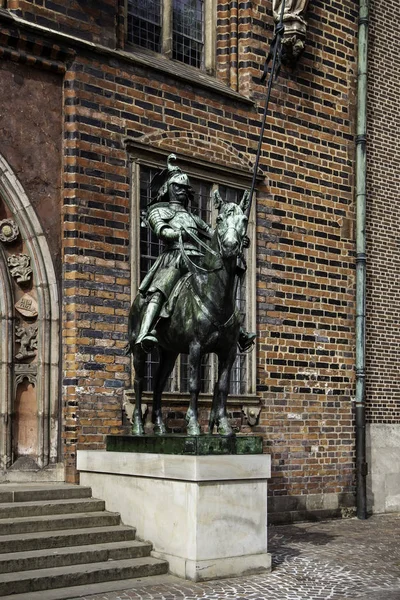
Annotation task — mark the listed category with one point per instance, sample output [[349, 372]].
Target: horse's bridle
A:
[[190, 264]]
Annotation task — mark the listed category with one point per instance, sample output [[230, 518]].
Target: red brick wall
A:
[[383, 214], [305, 245]]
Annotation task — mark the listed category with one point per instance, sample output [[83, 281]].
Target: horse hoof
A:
[[193, 428], [159, 429], [137, 429], [224, 428]]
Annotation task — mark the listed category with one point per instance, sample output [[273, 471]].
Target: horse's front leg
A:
[[218, 411], [193, 427], [139, 358], [165, 366]]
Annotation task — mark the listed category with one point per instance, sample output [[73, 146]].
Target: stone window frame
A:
[[211, 172], [210, 35]]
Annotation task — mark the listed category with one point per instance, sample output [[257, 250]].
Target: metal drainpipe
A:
[[361, 181]]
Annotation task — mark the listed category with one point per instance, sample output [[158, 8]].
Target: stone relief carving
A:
[[293, 42], [20, 267], [28, 372], [27, 338], [252, 414], [27, 306], [8, 231]]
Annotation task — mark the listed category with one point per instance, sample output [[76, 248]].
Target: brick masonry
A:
[[383, 212], [305, 220]]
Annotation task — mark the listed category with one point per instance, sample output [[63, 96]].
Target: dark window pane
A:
[[187, 28], [144, 23], [201, 203]]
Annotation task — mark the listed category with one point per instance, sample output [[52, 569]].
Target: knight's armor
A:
[[169, 221]]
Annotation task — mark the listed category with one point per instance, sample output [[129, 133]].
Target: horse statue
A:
[[199, 316]]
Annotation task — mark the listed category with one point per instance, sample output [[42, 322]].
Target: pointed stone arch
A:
[[45, 375]]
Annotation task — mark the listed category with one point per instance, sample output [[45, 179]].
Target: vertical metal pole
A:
[[361, 177], [279, 33]]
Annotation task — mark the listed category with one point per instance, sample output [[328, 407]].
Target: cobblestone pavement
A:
[[311, 561]]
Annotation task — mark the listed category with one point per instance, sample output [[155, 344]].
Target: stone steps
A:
[[14, 510], [56, 537], [52, 522], [66, 537], [58, 577], [62, 557], [31, 492], [97, 588]]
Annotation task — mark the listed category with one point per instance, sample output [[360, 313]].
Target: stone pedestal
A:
[[206, 515]]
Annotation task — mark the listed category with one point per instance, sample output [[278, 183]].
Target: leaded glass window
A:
[[173, 27], [145, 23], [187, 29]]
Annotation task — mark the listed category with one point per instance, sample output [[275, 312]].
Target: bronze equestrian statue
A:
[[186, 302]]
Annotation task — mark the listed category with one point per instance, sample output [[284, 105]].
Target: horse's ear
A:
[[218, 201], [245, 201]]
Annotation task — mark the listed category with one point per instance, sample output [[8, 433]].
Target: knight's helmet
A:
[[162, 181]]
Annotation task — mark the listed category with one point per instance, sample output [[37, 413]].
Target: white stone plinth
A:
[[206, 515]]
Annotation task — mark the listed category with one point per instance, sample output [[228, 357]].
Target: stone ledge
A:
[[171, 467]]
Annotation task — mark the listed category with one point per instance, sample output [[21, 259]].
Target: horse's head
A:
[[231, 225]]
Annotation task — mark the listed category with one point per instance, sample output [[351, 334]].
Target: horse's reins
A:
[[189, 263]]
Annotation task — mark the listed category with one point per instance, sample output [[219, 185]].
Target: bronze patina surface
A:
[[185, 444], [200, 315]]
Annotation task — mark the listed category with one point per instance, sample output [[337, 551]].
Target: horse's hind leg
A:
[[139, 363], [165, 367], [193, 427]]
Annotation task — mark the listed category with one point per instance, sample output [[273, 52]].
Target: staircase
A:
[[56, 537]]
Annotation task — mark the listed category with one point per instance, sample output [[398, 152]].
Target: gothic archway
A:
[[29, 326]]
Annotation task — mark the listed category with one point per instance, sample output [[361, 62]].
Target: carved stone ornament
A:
[[27, 338], [252, 414], [27, 306], [20, 268], [293, 41], [8, 231], [28, 372]]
